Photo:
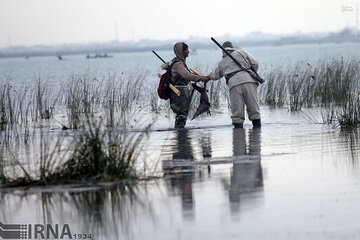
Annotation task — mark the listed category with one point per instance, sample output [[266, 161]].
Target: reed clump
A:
[[93, 153], [45, 99], [81, 93], [274, 92], [12, 103], [349, 114], [99, 146], [22, 104], [102, 154], [304, 85], [332, 85]]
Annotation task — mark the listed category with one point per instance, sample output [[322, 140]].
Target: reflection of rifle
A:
[[176, 91], [252, 73]]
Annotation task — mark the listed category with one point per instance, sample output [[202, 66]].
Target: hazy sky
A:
[[54, 22]]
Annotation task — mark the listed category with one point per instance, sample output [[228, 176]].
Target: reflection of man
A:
[[205, 143], [183, 148], [181, 177], [246, 179]]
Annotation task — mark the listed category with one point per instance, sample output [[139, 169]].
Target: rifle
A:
[[158, 56], [194, 71], [252, 73]]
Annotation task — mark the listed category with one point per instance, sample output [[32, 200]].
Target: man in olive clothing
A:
[[243, 88], [180, 78]]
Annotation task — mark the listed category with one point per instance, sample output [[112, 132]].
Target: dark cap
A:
[[227, 44]]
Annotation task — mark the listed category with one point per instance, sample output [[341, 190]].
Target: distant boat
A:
[[99, 55], [60, 57]]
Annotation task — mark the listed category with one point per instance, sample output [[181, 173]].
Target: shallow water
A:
[[288, 180]]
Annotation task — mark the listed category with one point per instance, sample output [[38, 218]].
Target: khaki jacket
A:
[[227, 66]]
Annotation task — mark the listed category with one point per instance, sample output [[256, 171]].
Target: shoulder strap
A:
[[173, 61]]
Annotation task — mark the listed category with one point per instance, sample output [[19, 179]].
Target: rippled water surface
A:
[[288, 180]]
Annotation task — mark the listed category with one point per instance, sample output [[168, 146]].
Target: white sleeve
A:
[[217, 73]]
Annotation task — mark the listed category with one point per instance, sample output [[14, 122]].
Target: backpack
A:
[[164, 90]]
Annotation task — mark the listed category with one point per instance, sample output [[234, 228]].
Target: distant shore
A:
[[254, 40]]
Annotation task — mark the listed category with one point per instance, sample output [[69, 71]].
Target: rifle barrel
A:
[[252, 74], [218, 44], [158, 56]]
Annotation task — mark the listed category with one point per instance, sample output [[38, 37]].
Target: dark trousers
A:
[[180, 105]]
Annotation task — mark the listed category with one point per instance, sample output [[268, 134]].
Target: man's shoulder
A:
[[245, 53], [178, 63], [176, 60], [242, 51]]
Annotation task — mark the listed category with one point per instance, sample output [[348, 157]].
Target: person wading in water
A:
[[242, 86], [181, 77]]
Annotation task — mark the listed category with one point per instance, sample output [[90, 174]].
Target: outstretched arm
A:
[[217, 73], [181, 69]]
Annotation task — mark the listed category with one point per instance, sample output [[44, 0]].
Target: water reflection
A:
[[206, 149], [246, 181], [180, 171], [105, 212], [350, 141], [205, 144], [181, 177]]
